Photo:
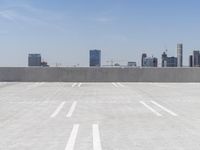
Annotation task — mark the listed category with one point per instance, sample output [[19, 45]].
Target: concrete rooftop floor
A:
[[99, 116]]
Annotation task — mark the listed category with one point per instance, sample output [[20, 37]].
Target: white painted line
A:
[[150, 108], [73, 106], [79, 85], [165, 109], [120, 84], [58, 109], [96, 138], [73, 85], [114, 84], [72, 138]]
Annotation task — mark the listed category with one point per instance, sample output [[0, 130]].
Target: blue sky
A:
[[63, 31]]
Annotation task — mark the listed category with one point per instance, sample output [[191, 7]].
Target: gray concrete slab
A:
[[99, 74], [103, 116]]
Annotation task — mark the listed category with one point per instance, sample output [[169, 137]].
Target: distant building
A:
[[171, 62], [34, 60], [196, 58], [168, 61], [117, 65], [164, 59], [190, 61], [44, 64], [132, 64], [144, 55], [179, 55], [95, 58], [150, 62]]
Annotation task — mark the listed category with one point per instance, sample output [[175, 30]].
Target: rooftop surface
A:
[[99, 116]]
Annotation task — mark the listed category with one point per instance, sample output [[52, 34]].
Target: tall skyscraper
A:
[[180, 55], [34, 60], [144, 55], [95, 58]]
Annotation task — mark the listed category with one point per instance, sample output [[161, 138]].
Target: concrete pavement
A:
[[99, 116]]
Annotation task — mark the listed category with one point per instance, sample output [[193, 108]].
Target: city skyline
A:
[[146, 61], [64, 31], [95, 60]]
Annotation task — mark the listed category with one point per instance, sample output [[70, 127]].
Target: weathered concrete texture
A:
[[100, 74], [125, 123]]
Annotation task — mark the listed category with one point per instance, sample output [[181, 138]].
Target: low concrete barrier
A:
[[25, 74]]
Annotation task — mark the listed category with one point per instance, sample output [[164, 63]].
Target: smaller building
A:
[[117, 65], [144, 55], [150, 62], [168, 61], [44, 64], [132, 64], [172, 62], [34, 60], [164, 59], [190, 61], [95, 58]]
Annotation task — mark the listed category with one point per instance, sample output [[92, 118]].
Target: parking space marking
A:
[[120, 84], [79, 85], [115, 85], [73, 85], [72, 138], [96, 137], [73, 106], [165, 109], [58, 109], [151, 109], [76, 85]]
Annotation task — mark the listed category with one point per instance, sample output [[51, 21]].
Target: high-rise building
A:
[[34, 60], [168, 61], [150, 62], [144, 55], [190, 61], [196, 58], [179, 55], [95, 58]]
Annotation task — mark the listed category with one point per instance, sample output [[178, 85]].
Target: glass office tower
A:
[[95, 58]]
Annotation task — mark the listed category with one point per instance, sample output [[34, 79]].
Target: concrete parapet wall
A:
[[24, 74]]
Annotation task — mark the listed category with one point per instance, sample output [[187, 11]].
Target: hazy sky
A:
[[63, 31]]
